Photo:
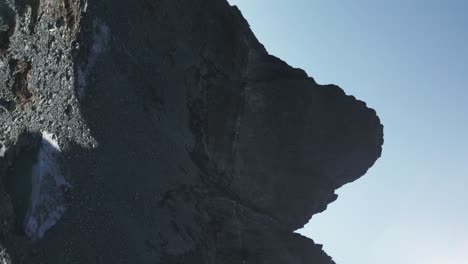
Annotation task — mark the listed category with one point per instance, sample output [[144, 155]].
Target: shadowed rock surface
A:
[[163, 132]]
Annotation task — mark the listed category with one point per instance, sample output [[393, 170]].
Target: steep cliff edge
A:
[[163, 132]]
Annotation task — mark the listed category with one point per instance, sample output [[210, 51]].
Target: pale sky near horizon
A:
[[407, 59]]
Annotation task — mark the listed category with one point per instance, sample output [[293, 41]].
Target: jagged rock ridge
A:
[[168, 135]]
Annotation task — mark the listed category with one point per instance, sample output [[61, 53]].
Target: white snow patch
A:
[[47, 204], [4, 257], [2, 151], [101, 37], [81, 82]]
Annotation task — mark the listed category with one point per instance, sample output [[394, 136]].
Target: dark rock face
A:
[[164, 132]]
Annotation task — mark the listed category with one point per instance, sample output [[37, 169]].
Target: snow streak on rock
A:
[[48, 184], [101, 35]]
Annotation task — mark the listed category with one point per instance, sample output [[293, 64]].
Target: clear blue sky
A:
[[408, 59]]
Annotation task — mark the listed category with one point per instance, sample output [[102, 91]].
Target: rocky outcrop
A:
[[163, 132]]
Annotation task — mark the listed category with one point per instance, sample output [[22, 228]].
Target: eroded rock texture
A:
[[161, 131]]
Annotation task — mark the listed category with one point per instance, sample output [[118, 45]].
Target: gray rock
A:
[[181, 139]]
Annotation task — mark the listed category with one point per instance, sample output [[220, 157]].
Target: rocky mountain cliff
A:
[[161, 131]]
